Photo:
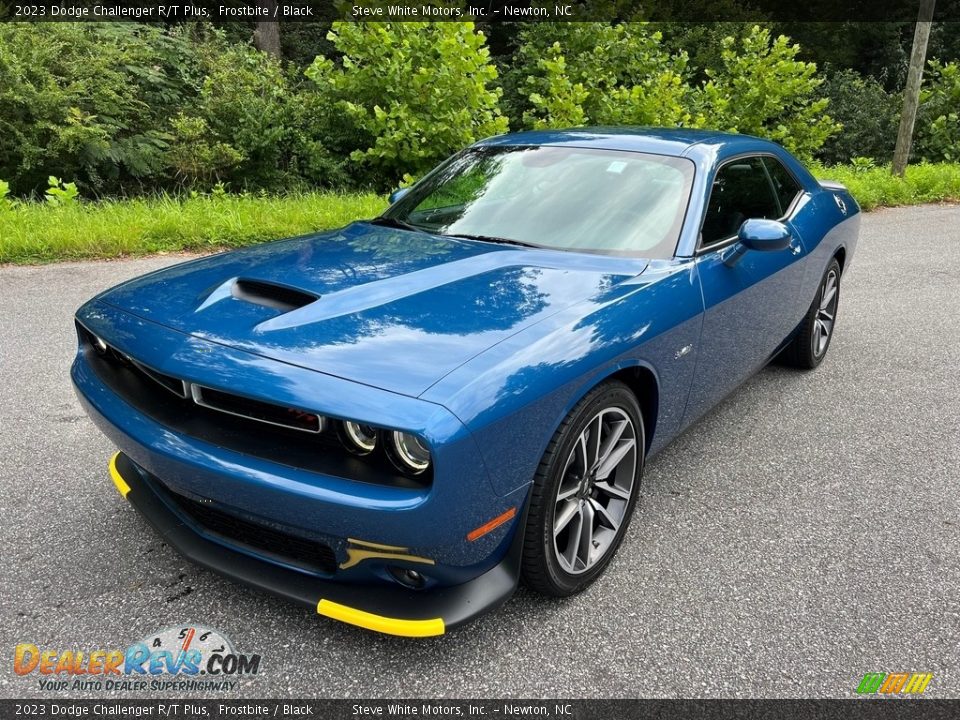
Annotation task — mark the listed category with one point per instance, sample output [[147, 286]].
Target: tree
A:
[[409, 93], [601, 74], [90, 101], [762, 89], [867, 113], [266, 36]]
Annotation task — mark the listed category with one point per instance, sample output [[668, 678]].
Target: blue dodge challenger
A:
[[395, 422]]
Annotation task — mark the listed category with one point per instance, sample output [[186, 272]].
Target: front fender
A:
[[513, 397]]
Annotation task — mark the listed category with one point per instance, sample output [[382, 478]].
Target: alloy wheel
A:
[[826, 314], [595, 490]]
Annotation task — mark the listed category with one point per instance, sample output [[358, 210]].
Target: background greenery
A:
[[126, 109], [219, 144]]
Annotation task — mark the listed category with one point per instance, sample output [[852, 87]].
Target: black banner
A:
[[485, 709], [159, 11]]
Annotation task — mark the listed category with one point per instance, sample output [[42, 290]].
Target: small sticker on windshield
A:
[[617, 166]]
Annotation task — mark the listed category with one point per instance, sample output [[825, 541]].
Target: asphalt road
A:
[[805, 532]]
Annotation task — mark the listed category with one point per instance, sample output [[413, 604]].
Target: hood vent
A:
[[278, 297]]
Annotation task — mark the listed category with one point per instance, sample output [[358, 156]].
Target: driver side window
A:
[[741, 191]]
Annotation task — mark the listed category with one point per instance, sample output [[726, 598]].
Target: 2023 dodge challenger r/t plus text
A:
[[396, 421]]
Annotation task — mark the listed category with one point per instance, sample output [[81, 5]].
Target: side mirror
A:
[[759, 234], [397, 194]]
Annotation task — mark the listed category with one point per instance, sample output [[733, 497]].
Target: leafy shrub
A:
[[196, 156], [239, 127], [868, 114], [410, 93], [5, 202], [59, 193], [89, 100], [938, 121], [862, 164], [561, 104], [762, 89], [601, 74], [703, 42]]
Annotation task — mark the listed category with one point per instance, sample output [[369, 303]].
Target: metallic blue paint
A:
[[761, 234], [481, 349]]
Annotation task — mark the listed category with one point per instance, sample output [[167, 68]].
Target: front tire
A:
[[584, 492], [810, 346]]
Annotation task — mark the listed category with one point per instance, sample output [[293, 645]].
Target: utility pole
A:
[[911, 94]]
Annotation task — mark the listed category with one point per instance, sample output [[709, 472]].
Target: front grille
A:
[[177, 387], [283, 546], [209, 397], [256, 409]]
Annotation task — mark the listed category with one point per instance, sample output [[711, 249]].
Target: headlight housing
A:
[[405, 451], [358, 438], [408, 452]]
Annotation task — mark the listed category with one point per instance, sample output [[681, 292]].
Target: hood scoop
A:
[[271, 295]]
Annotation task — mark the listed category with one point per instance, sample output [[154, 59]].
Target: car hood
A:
[[394, 309]]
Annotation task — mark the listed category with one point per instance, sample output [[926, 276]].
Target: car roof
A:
[[663, 141]]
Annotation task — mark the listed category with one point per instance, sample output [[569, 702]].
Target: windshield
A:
[[604, 201]]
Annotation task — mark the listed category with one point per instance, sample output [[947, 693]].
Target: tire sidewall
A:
[[815, 359], [614, 394]]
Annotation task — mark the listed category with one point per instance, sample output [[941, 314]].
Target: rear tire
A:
[[584, 492], [812, 341]]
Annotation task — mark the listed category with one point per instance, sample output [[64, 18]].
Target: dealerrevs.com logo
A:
[[178, 658]]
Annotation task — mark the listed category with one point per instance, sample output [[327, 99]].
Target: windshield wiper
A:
[[494, 239], [394, 223]]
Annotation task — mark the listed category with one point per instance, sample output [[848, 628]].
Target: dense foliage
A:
[[409, 93], [939, 136], [591, 73], [89, 102], [761, 88], [869, 116], [125, 108]]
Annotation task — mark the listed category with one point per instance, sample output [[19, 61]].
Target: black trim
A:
[[271, 295], [320, 452], [788, 210], [702, 249], [312, 555], [455, 605]]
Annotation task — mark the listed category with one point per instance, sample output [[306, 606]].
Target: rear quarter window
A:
[[784, 185]]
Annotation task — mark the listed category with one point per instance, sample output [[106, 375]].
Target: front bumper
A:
[[310, 535], [383, 608]]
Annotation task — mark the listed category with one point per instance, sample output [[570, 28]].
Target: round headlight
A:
[[361, 439], [409, 453]]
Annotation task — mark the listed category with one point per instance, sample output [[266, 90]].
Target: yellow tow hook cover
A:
[[117, 478], [379, 623]]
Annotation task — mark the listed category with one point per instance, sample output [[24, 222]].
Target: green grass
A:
[[33, 232], [876, 187]]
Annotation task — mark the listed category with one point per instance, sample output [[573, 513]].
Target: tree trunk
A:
[[267, 35], [911, 94]]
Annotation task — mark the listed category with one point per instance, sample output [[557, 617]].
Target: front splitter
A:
[[389, 609]]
